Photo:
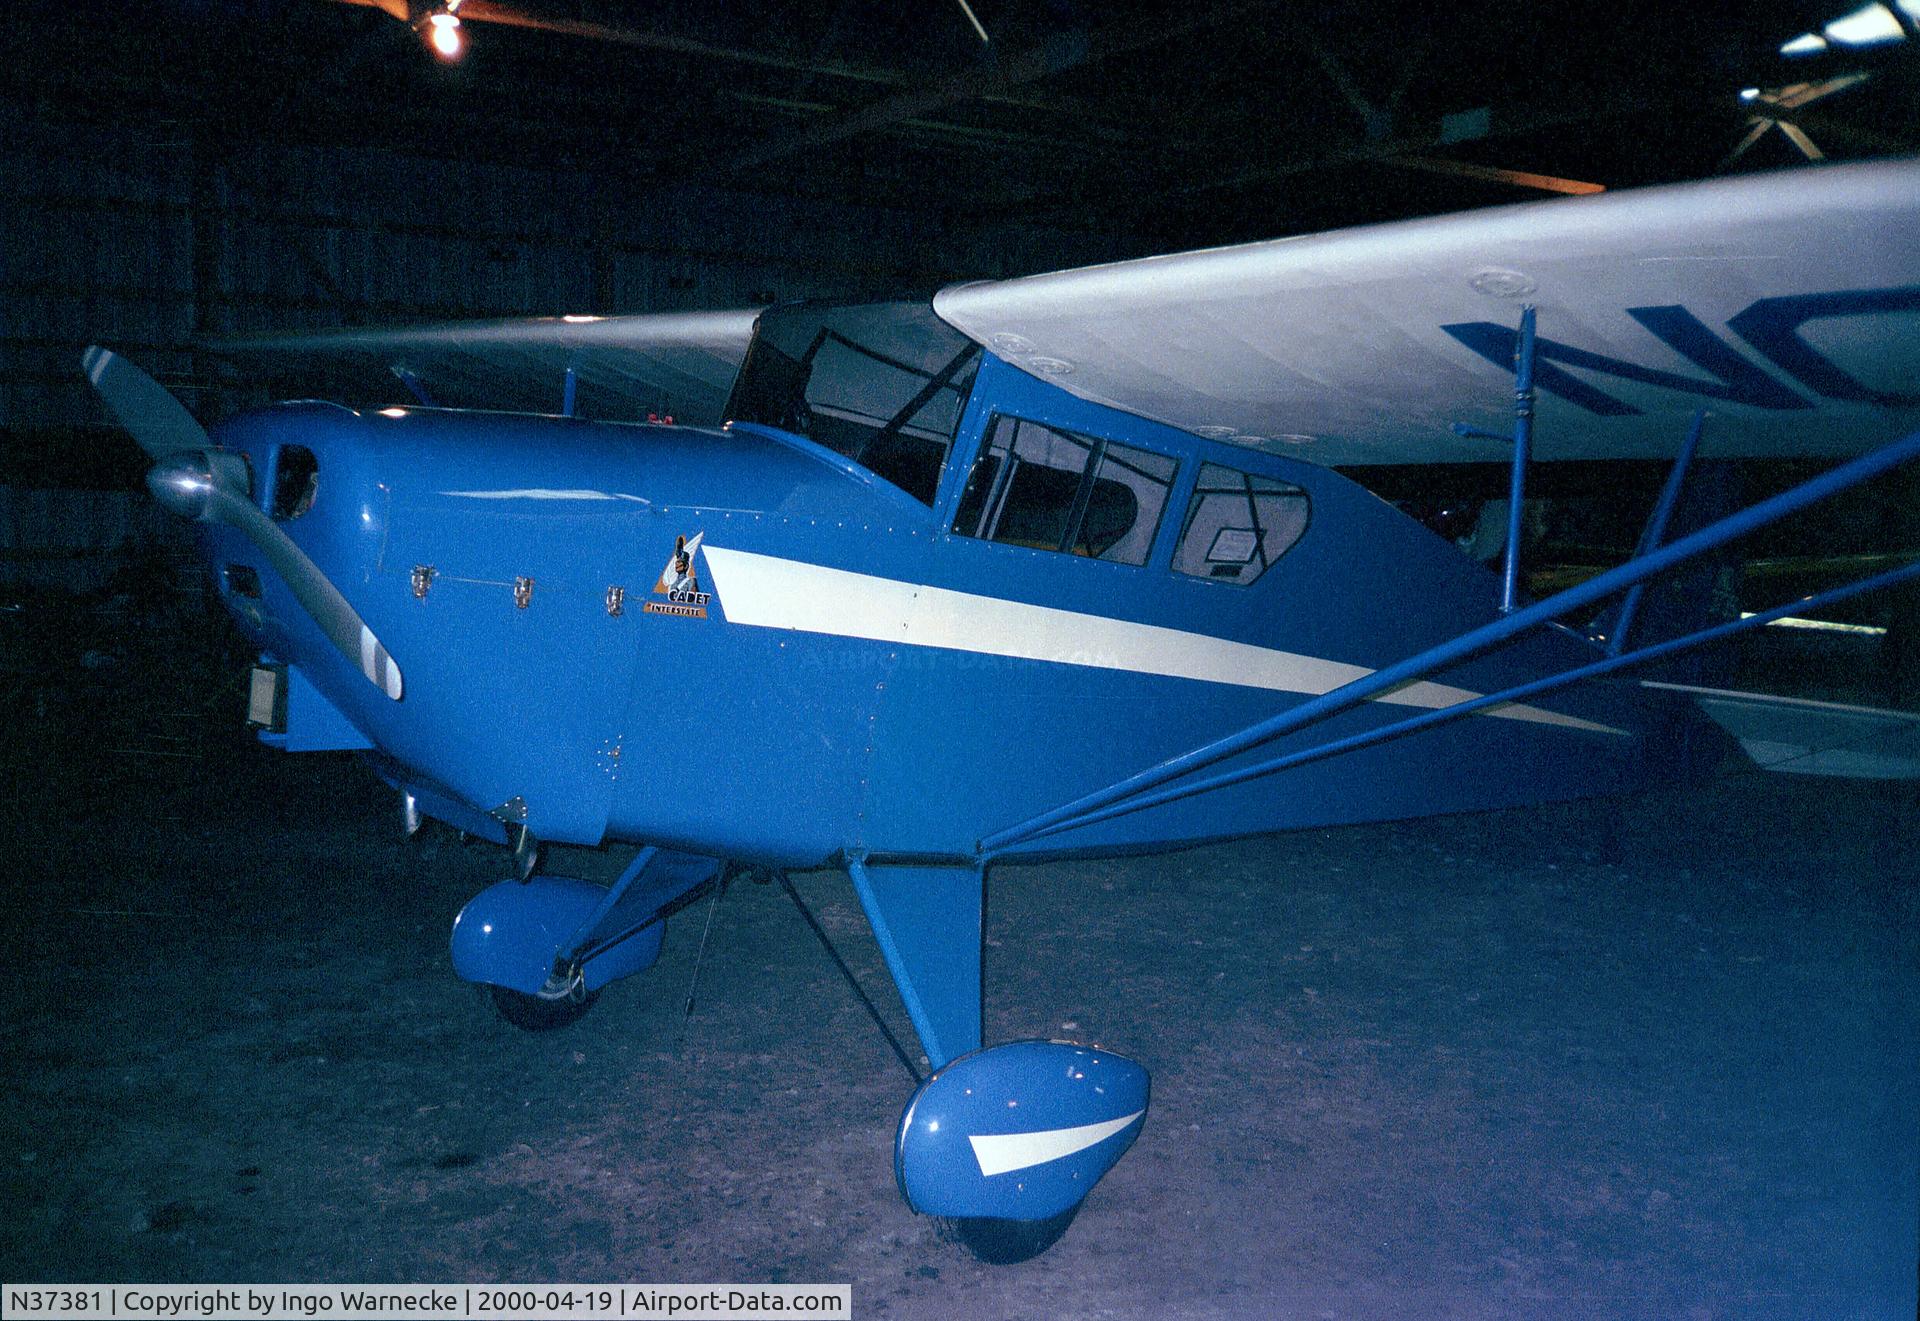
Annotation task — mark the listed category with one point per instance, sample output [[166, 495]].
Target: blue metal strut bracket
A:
[[634, 907], [927, 920]]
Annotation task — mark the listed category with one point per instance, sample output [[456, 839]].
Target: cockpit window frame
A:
[[988, 483], [775, 387]]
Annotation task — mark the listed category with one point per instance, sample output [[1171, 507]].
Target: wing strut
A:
[[1517, 693], [1136, 791], [1522, 438], [1657, 529]]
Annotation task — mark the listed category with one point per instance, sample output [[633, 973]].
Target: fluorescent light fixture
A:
[[1749, 93], [578, 320], [1804, 44], [1866, 27], [393, 412]]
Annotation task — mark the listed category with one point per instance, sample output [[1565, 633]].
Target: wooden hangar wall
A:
[[151, 241]]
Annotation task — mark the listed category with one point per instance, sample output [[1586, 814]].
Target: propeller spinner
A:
[[196, 481]]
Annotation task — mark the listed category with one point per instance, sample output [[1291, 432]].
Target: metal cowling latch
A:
[[523, 592], [422, 578]]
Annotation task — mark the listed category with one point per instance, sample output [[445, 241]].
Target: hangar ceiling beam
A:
[[1408, 140], [1090, 116], [1066, 51], [1546, 183], [1379, 123], [1855, 135], [670, 43]]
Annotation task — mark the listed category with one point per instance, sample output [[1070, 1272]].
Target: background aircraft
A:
[[1053, 566]]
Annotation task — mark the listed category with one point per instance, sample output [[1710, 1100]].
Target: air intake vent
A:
[[296, 477]]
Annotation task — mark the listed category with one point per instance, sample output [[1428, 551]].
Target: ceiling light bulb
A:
[[444, 32]]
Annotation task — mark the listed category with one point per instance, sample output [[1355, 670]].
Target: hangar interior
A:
[[183, 172], [202, 170]]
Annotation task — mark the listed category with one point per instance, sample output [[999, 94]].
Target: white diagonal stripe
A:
[[1001, 1153], [768, 592]]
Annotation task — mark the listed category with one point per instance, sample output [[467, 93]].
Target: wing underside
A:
[[1788, 305]]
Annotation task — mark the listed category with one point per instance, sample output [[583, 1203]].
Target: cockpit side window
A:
[[1238, 524], [1047, 489], [881, 384]]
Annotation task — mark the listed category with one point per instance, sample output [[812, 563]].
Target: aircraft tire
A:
[[1005, 1242], [530, 1013]]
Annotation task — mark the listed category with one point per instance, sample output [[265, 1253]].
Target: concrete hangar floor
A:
[[1653, 1058]]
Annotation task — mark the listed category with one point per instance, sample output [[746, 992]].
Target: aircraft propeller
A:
[[193, 479]]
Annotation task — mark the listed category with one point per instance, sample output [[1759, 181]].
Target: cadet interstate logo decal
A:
[[679, 583]]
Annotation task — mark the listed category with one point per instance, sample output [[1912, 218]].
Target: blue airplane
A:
[[1042, 567]]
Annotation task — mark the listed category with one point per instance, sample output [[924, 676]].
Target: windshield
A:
[[883, 384]]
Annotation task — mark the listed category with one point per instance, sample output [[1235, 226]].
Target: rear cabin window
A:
[[1047, 489], [1238, 525]]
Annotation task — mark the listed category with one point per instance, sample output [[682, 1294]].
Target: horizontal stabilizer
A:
[[1815, 738]]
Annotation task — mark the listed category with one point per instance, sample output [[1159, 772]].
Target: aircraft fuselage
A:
[[834, 669]]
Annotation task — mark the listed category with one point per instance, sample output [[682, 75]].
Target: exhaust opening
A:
[[242, 580]]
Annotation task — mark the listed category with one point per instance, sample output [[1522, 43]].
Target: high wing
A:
[[670, 364], [1787, 304]]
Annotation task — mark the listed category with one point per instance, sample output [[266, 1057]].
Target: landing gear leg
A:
[[1000, 1145], [545, 945]]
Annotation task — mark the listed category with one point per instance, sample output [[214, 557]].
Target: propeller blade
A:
[[315, 592], [157, 421], [195, 481], [195, 487]]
